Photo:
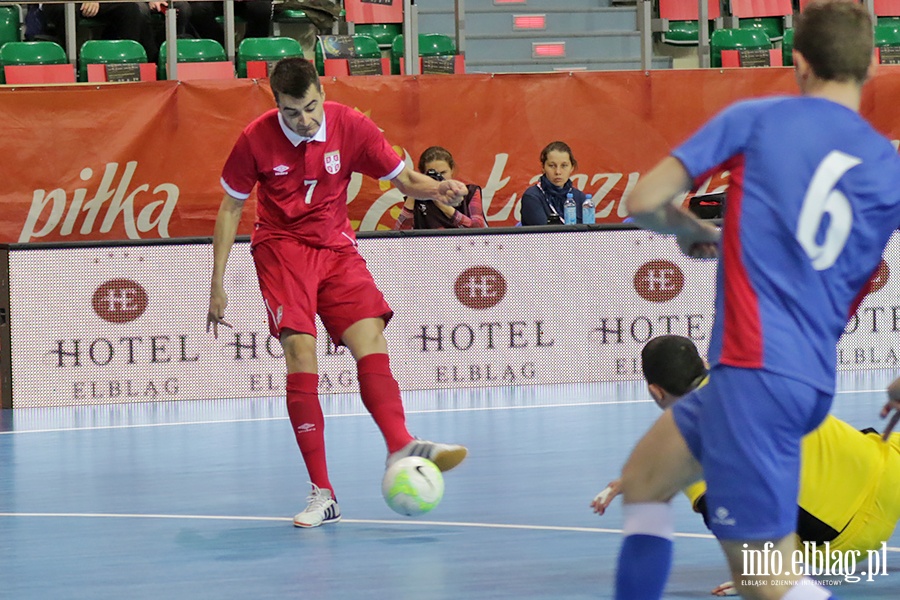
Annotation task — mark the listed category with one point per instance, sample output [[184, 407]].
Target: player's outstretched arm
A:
[[223, 239], [423, 187], [650, 206]]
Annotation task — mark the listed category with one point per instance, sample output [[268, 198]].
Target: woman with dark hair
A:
[[542, 203], [437, 163]]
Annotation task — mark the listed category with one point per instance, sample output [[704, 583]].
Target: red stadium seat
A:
[[681, 10], [745, 9], [770, 16], [887, 8], [679, 25]]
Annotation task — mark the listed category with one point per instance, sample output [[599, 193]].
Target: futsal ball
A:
[[412, 486]]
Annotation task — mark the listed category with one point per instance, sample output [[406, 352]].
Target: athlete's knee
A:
[[642, 483], [365, 337], [659, 467], [300, 352]]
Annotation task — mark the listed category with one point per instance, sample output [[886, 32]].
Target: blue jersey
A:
[[814, 196]]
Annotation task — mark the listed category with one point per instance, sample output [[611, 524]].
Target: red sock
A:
[[308, 423], [381, 396]]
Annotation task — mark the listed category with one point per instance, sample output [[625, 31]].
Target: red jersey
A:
[[303, 182]]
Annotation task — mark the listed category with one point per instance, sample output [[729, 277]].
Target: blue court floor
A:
[[194, 501]]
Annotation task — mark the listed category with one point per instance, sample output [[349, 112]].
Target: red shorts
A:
[[298, 281]]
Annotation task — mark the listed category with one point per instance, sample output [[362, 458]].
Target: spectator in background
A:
[[257, 15], [157, 25], [437, 163], [35, 23], [117, 21], [542, 203]]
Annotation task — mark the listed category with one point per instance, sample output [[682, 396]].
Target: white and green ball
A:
[[412, 486]]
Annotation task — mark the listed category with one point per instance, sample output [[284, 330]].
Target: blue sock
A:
[[646, 554]]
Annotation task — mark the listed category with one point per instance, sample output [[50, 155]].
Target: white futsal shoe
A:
[[321, 509], [445, 456], [726, 589]]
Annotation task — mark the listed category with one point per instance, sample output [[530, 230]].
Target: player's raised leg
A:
[[660, 465], [381, 396]]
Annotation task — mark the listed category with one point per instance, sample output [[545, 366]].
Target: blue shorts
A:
[[745, 428]]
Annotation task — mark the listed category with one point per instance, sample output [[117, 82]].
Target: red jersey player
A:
[[301, 155]]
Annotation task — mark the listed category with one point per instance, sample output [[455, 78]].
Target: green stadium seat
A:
[[221, 19], [382, 33], [887, 39], [192, 51], [887, 34], [435, 44], [108, 52], [287, 16], [31, 53], [736, 39], [787, 48], [90, 23], [773, 27], [683, 18], [9, 24], [681, 33], [684, 33], [291, 16], [430, 44], [365, 47], [265, 49]]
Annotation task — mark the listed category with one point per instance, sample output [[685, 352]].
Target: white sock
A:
[[649, 518]]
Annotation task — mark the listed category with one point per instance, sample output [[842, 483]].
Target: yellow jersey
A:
[[849, 487]]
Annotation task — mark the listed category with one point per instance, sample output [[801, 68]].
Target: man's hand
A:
[[602, 500], [90, 9], [451, 192], [701, 243], [218, 301]]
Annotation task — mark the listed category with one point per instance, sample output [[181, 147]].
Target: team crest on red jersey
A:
[[333, 162]]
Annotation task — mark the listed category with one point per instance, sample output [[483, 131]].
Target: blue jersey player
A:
[[813, 199]]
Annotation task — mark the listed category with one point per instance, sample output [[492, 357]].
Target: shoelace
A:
[[316, 499]]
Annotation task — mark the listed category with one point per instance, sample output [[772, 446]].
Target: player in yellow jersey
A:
[[849, 480]]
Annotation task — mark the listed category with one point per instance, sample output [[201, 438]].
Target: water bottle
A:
[[569, 210], [588, 215]]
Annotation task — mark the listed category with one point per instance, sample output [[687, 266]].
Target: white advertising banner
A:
[[127, 323]]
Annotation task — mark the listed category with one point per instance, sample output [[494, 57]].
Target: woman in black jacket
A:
[[542, 203]]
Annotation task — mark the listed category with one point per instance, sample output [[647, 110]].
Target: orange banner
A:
[[142, 160]]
